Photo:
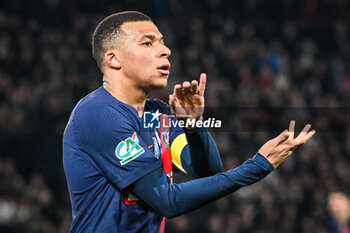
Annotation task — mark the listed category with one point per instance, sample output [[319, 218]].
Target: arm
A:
[[175, 199], [202, 154], [195, 152], [171, 200]]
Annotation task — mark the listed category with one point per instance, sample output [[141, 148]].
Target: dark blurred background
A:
[[263, 59]]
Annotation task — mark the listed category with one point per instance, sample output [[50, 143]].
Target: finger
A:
[[175, 88], [310, 135], [186, 85], [282, 137], [302, 140], [202, 83], [304, 131], [291, 130], [174, 103], [194, 86], [186, 88], [306, 128], [178, 91]]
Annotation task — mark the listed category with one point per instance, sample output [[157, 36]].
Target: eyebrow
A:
[[151, 37]]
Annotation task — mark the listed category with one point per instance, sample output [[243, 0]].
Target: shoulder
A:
[[100, 110], [91, 103]]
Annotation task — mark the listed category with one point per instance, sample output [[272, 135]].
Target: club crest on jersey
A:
[[129, 149], [166, 138], [156, 148]]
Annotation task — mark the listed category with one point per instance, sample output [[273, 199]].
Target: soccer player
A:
[[119, 174]]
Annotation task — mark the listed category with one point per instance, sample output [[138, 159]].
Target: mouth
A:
[[164, 69]]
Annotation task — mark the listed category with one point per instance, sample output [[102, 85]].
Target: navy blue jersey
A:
[[105, 150]]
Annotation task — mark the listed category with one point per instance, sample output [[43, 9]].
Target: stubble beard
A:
[[154, 83]]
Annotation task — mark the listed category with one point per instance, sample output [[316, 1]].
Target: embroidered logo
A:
[[166, 138], [129, 149], [156, 148]]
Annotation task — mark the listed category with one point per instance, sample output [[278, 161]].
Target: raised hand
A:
[[281, 147], [187, 101]]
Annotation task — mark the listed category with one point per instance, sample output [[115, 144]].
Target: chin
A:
[[159, 84], [155, 83]]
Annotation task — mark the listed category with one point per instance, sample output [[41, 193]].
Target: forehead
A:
[[337, 197], [140, 28]]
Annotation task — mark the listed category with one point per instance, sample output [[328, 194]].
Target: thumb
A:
[[282, 137]]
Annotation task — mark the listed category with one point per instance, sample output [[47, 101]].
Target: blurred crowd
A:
[[27, 204], [268, 62]]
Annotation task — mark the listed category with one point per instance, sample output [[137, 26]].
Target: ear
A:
[[112, 59]]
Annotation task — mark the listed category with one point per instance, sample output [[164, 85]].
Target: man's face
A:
[[339, 205], [143, 55]]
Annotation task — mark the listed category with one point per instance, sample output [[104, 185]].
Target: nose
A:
[[165, 51]]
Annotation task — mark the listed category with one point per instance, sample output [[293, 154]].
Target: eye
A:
[[148, 43]]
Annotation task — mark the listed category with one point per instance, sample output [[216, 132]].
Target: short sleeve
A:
[[112, 142]]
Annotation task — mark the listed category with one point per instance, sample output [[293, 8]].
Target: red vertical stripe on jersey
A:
[[162, 226], [166, 154]]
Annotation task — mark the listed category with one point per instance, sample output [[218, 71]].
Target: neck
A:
[[126, 92], [343, 218]]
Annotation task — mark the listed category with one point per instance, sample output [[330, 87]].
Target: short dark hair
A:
[[109, 29]]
